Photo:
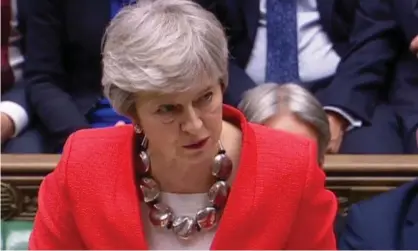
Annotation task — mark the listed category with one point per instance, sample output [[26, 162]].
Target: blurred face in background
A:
[[290, 123]]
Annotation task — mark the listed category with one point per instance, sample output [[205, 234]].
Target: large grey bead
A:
[[222, 166], [218, 194], [145, 162], [149, 188], [184, 227], [161, 215], [206, 218]]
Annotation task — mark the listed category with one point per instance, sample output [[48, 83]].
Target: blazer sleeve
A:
[[314, 222], [364, 72], [45, 70], [352, 237], [54, 226]]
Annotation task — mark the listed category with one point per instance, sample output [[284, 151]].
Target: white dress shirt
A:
[[317, 58]]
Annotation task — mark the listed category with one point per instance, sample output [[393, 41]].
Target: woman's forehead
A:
[[191, 93]]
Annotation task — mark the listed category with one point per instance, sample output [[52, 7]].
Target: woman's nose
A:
[[192, 122]]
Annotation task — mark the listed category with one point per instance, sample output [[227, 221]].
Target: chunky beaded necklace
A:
[[161, 215]]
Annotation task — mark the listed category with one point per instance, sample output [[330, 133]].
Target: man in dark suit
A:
[[386, 222], [321, 30], [18, 134], [380, 74], [63, 65]]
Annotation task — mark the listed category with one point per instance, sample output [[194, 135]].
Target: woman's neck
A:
[[175, 177]]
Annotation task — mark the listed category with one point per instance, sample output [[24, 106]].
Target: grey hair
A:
[[267, 100], [161, 46]]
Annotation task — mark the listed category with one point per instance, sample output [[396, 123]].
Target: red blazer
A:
[[277, 201]]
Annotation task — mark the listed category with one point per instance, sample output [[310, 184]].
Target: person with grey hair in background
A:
[[288, 107]]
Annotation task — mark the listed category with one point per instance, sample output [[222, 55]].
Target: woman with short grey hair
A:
[[289, 107], [191, 173], [147, 52]]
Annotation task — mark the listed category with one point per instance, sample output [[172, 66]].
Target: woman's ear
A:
[[132, 113], [222, 84], [135, 121]]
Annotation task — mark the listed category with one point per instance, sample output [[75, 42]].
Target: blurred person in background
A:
[[19, 131], [63, 67], [7, 78], [380, 74], [388, 221], [301, 42], [387, 32], [288, 107]]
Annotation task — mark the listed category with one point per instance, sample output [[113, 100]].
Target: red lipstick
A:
[[197, 145]]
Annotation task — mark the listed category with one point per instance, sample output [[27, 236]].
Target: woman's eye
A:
[[166, 109], [207, 97]]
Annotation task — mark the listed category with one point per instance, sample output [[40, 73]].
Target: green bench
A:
[[352, 178], [15, 234]]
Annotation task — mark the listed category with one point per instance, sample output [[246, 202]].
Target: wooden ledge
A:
[[350, 177], [333, 163], [27, 163], [371, 163]]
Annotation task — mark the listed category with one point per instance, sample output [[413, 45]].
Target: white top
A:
[[182, 205]]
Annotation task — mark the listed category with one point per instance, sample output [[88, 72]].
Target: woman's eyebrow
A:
[[206, 89]]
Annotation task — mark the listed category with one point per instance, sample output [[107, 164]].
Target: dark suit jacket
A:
[[388, 221], [63, 64], [336, 18], [379, 66], [7, 78]]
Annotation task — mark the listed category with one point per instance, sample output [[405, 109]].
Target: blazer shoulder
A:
[[386, 204], [373, 223], [281, 144], [98, 139], [285, 153], [98, 150]]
